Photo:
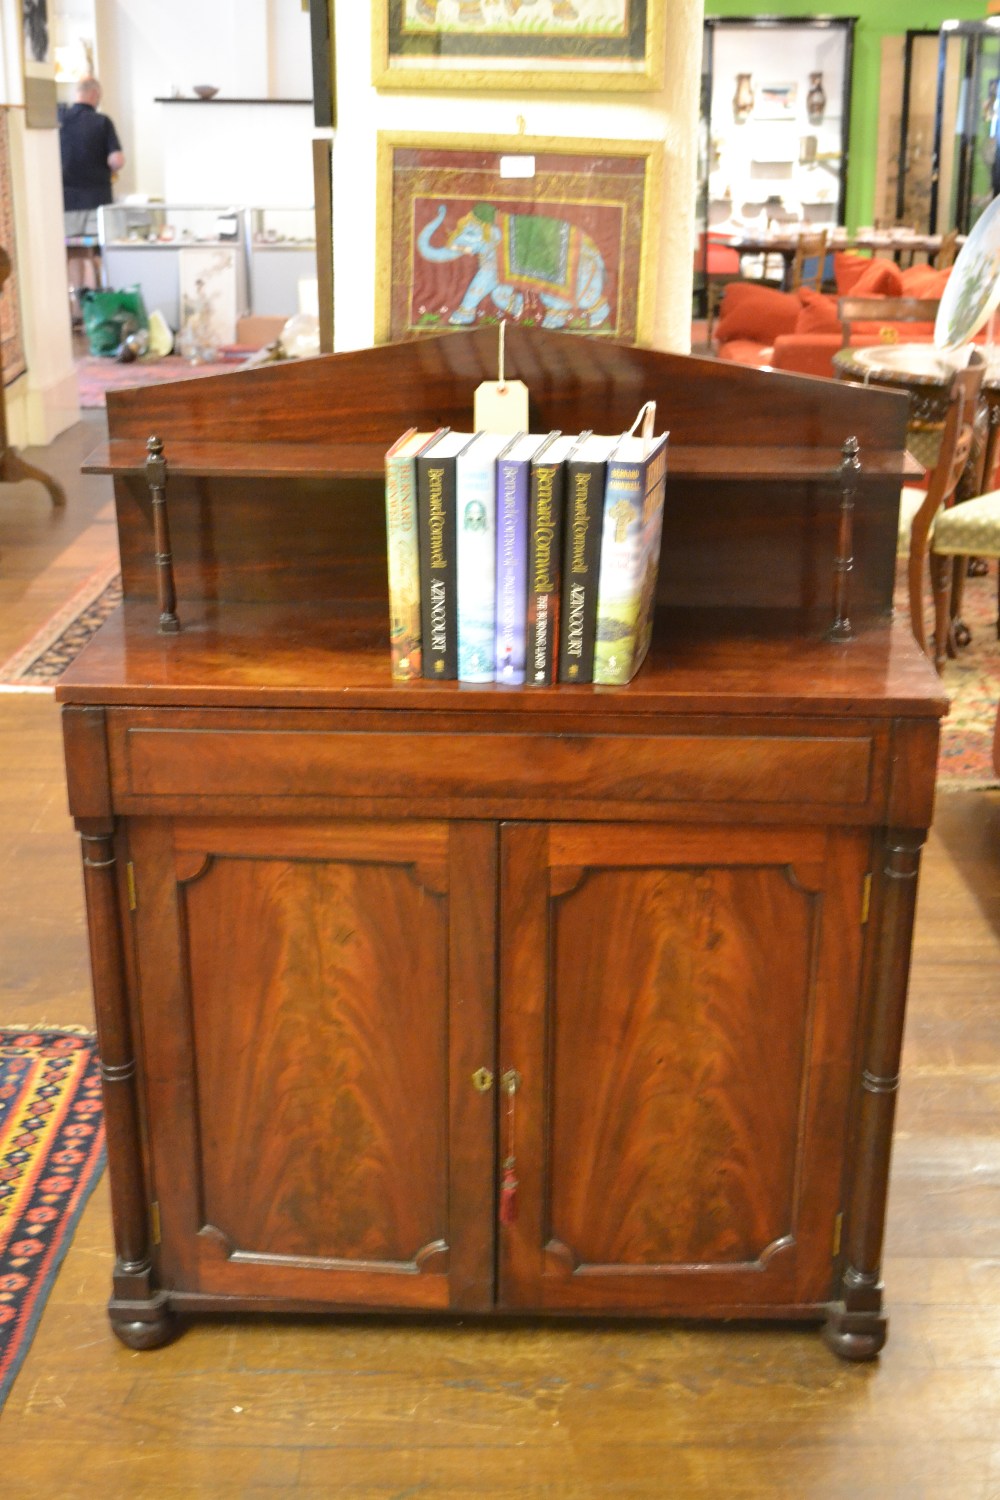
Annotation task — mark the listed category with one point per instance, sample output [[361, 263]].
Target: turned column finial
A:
[[156, 479], [850, 469]]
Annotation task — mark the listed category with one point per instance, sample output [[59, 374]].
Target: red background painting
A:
[[604, 196]]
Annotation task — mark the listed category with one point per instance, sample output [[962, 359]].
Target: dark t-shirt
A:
[[86, 140]]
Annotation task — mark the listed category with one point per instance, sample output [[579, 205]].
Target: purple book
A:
[[513, 480]]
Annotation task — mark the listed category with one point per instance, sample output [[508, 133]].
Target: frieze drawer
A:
[[822, 770]]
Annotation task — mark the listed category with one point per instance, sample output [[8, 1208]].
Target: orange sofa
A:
[[800, 331]]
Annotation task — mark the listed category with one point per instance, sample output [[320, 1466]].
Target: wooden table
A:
[[785, 243]]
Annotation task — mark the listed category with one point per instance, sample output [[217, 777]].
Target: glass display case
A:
[[905, 151], [965, 126], [189, 262], [774, 123], [281, 253]]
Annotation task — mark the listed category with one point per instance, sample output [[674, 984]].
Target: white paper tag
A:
[[501, 406], [517, 166]]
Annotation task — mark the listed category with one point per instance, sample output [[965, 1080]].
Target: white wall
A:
[[669, 116], [42, 402], [148, 49]]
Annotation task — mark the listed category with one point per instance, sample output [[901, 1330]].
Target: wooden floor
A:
[[367, 1408]]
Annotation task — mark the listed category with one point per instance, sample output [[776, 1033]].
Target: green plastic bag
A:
[[109, 317]]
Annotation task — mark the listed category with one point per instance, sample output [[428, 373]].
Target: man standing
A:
[[90, 151]]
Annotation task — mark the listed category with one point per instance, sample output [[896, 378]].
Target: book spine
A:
[[656, 483], [544, 567], [512, 569], [581, 561], [404, 567], [438, 595], [476, 553], [619, 588]]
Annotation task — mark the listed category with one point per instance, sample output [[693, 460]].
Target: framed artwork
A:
[[38, 66], [541, 232], [518, 44], [208, 294], [323, 62], [776, 101], [11, 340]]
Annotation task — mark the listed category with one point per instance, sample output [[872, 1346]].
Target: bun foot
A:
[[855, 1335], [142, 1325]]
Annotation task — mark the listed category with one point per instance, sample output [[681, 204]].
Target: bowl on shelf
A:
[[205, 90]]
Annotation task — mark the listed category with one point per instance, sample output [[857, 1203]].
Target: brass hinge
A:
[[130, 883], [154, 1222], [838, 1225], [866, 898]]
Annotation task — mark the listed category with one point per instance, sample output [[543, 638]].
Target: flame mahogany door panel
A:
[[680, 1004], [315, 1000]]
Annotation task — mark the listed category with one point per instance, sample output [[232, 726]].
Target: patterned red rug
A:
[[973, 684], [51, 1155], [95, 376]]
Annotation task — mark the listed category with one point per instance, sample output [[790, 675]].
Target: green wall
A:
[[875, 19]]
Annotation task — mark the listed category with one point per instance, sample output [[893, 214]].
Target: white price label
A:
[[517, 166]]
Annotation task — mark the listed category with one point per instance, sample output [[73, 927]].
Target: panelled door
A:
[[678, 1010], [317, 1010]]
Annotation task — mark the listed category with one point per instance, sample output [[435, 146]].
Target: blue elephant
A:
[[519, 253]]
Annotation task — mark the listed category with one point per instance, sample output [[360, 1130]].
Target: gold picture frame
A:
[[517, 45], [538, 231]]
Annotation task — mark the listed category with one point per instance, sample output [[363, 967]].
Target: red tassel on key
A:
[[508, 1196]]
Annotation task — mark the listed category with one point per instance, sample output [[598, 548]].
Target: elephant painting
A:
[[518, 254], [471, 13]]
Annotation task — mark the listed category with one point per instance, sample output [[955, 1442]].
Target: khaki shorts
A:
[[80, 223]]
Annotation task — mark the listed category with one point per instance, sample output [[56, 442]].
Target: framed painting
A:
[[518, 44], [541, 232], [776, 101], [38, 66]]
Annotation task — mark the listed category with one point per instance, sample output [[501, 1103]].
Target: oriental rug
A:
[[95, 376], [43, 658], [972, 682], [51, 1155]]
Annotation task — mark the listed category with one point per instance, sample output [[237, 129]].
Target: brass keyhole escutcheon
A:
[[482, 1080]]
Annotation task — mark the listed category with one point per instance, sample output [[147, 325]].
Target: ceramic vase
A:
[[816, 99], [742, 99]]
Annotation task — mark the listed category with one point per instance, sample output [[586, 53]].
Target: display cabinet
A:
[[967, 108], [167, 250], [462, 997], [774, 121], [281, 253]]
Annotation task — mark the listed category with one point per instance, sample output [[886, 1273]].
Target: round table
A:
[[924, 372]]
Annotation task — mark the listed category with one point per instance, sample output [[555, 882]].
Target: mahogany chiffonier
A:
[[368, 953]]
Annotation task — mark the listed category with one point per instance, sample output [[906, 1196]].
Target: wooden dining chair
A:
[[971, 529], [885, 311], [720, 264], [919, 509], [947, 250], [809, 265]]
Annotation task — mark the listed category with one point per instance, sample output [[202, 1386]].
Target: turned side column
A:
[[138, 1313], [856, 1327]]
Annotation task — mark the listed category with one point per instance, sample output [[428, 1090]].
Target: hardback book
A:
[[584, 513], [630, 556], [546, 496], [437, 540], [476, 526], [513, 482], [402, 551]]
